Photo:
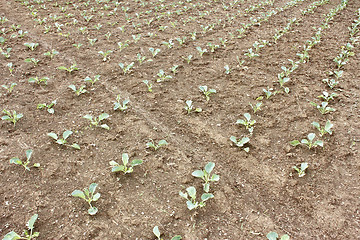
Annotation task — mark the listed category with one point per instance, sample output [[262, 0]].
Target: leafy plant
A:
[[191, 202], [122, 45], [32, 60], [162, 76], [31, 46], [156, 146], [247, 122], [105, 54], [92, 41], [78, 91], [188, 58], [51, 54], [157, 234], [154, 52], [327, 97], [206, 92], [227, 69], [70, 69], [126, 69], [148, 84], [140, 58], [12, 117], [325, 129], [309, 141], [96, 121], [274, 236], [116, 167], [205, 175], [256, 107], [201, 51], [92, 81], [38, 80], [9, 88], [89, 196], [62, 141], [48, 107], [28, 235], [122, 106], [241, 142], [174, 69], [330, 82], [302, 169], [251, 54], [5, 53], [25, 164], [323, 108], [190, 108], [10, 66]]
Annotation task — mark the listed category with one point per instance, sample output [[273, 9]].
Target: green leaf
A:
[[36, 165], [233, 139], [67, 133], [63, 68], [28, 154], [328, 126], [162, 142], [103, 116], [215, 178], [316, 124], [191, 191], [31, 222], [177, 237], [118, 168], [206, 187], [305, 141], [51, 110], [209, 167], [272, 236], [191, 205], [72, 87], [76, 146], [285, 237], [136, 162], [198, 173], [206, 196], [156, 232], [113, 163], [125, 158], [96, 197], [53, 135], [89, 117], [105, 126], [319, 143], [311, 136], [92, 210], [247, 116], [295, 143], [92, 188], [78, 193], [5, 117], [12, 236], [16, 161]]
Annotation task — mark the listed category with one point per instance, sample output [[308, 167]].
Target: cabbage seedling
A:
[[11, 68], [96, 121], [302, 169], [62, 141], [28, 235], [118, 105], [92, 41], [169, 44], [78, 91], [78, 45], [187, 59], [190, 108], [126, 69], [191, 202], [157, 234], [9, 88], [89, 196], [325, 129], [205, 175], [12, 117], [274, 236], [201, 51], [247, 122], [31, 46], [327, 97], [256, 107], [38, 80], [174, 69], [122, 45], [116, 167], [49, 107], [92, 81], [70, 69], [227, 69], [206, 92], [241, 142], [32, 60], [251, 54], [105, 54], [162, 76], [17, 161], [323, 108], [309, 141], [140, 58], [330, 82], [6, 53], [51, 54], [154, 52], [148, 84], [156, 146]]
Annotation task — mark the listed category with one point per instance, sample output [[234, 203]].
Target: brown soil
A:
[[258, 192]]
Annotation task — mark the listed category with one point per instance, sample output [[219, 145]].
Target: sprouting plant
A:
[[12, 117], [92, 81], [155, 146], [174, 69], [323, 108], [5, 53], [92, 41], [48, 107], [190, 108], [157, 234], [51, 54], [10, 66], [89, 196], [162, 76], [325, 129], [304, 56], [274, 236], [140, 58], [247, 122], [38, 80], [302, 169], [206, 176], [181, 40], [251, 54], [77, 45], [25, 164], [32, 60], [331, 82], [309, 141], [31, 46], [126, 69], [96, 121], [148, 84], [256, 107], [213, 47], [169, 44], [136, 38], [207, 92], [122, 106], [70, 69], [201, 51], [28, 235], [62, 141], [116, 167], [268, 92], [105, 54], [122, 45], [241, 142], [282, 79], [78, 91], [187, 59], [154, 52], [191, 202], [328, 97], [9, 88], [227, 69]]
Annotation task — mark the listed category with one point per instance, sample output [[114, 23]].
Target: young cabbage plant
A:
[[148, 84], [51, 54], [78, 91], [32, 60], [256, 107], [48, 107], [241, 142], [191, 202], [302, 169], [96, 121], [25, 164], [188, 58], [309, 142], [247, 122], [116, 167], [274, 236], [122, 45], [155, 146], [62, 141], [227, 69], [31, 46], [38, 80], [190, 108], [11, 117], [201, 51], [325, 129], [105, 55], [126, 69], [323, 108], [207, 92], [89, 196], [162, 76], [9, 88], [332, 83], [140, 58], [28, 233], [122, 106], [92, 81], [154, 52], [206, 175], [69, 69], [327, 97], [158, 234], [268, 92]]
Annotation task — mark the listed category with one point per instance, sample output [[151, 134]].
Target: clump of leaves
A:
[[105, 54], [241, 142], [92, 81], [148, 84], [256, 107], [9, 88], [96, 121], [116, 167], [28, 233], [25, 164], [309, 142], [302, 169], [31, 46], [323, 108], [12, 117], [162, 76], [157, 234], [207, 92], [274, 236], [155, 146], [89, 196], [78, 91], [206, 175], [69, 69], [191, 202], [190, 108], [325, 129], [247, 122], [51, 54], [126, 69], [62, 141], [38, 80], [122, 106], [328, 97], [154, 52], [32, 60], [48, 107]]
